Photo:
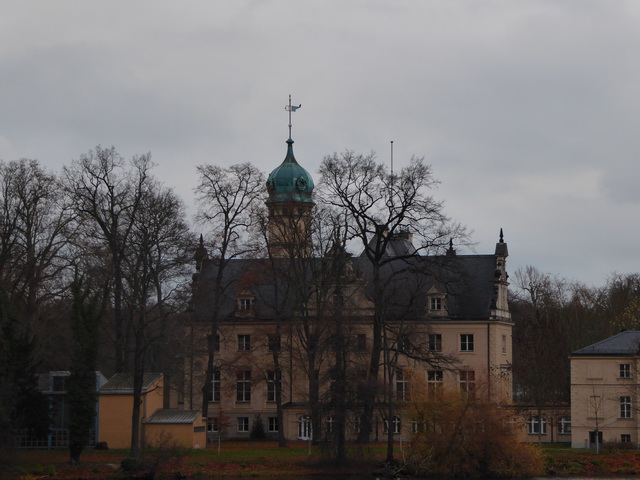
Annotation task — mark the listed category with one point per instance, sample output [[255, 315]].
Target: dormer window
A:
[[245, 302], [435, 304], [436, 301]]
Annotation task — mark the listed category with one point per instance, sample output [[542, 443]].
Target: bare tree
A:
[[380, 205], [228, 200], [34, 232], [106, 194], [153, 267]]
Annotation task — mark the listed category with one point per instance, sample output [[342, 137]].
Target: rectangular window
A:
[[435, 342], [435, 304], [215, 387], [504, 344], [564, 425], [242, 424], [244, 343], [625, 407], [330, 424], [213, 425], [434, 383], [243, 386], [625, 438], [468, 382], [273, 382], [273, 424], [396, 425], [401, 386], [625, 370], [404, 343], [274, 343], [537, 425], [466, 342], [362, 342], [245, 304]]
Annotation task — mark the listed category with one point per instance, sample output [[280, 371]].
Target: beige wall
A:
[[596, 388], [115, 411], [490, 360], [553, 424]]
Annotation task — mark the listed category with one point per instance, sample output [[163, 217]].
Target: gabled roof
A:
[[173, 416], [623, 344], [122, 383]]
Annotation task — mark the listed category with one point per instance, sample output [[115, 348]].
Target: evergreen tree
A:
[[257, 429], [86, 310], [22, 405]]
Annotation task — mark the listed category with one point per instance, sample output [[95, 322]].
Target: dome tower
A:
[[290, 203]]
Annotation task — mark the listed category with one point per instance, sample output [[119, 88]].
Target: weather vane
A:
[[291, 108]]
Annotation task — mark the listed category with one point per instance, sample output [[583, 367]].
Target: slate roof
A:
[[623, 344], [122, 383], [468, 281], [174, 416]]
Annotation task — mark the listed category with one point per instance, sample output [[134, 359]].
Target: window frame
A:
[[242, 424], [273, 381], [402, 386], [435, 383], [467, 382], [243, 386], [272, 425], [435, 342], [467, 343], [564, 425], [537, 425], [435, 303], [215, 386], [626, 407], [244, 342], [625, 370], [397, 425], [245, 303]]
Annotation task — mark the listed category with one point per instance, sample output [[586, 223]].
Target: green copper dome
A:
[[290, 182]]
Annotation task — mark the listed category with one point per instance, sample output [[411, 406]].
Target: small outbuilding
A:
[[183, 428]]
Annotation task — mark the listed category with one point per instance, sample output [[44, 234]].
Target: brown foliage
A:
[[460, 436]]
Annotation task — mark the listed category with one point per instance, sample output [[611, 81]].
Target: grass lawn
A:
[[266, 459], [235, 458]]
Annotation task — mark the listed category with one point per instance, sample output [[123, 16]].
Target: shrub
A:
[[462, 437], [257, 429]]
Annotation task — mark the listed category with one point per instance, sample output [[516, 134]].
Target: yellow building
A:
[[115, 407], [604, 392]]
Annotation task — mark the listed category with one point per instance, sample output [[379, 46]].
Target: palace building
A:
[[296, 330]]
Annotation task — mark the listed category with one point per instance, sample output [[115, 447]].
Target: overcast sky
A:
[[528, 110]]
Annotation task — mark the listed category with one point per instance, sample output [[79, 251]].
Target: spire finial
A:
[[291, 108], [501, 236]]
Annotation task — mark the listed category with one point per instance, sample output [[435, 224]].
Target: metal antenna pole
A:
[[289, 109], [392, 158]]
